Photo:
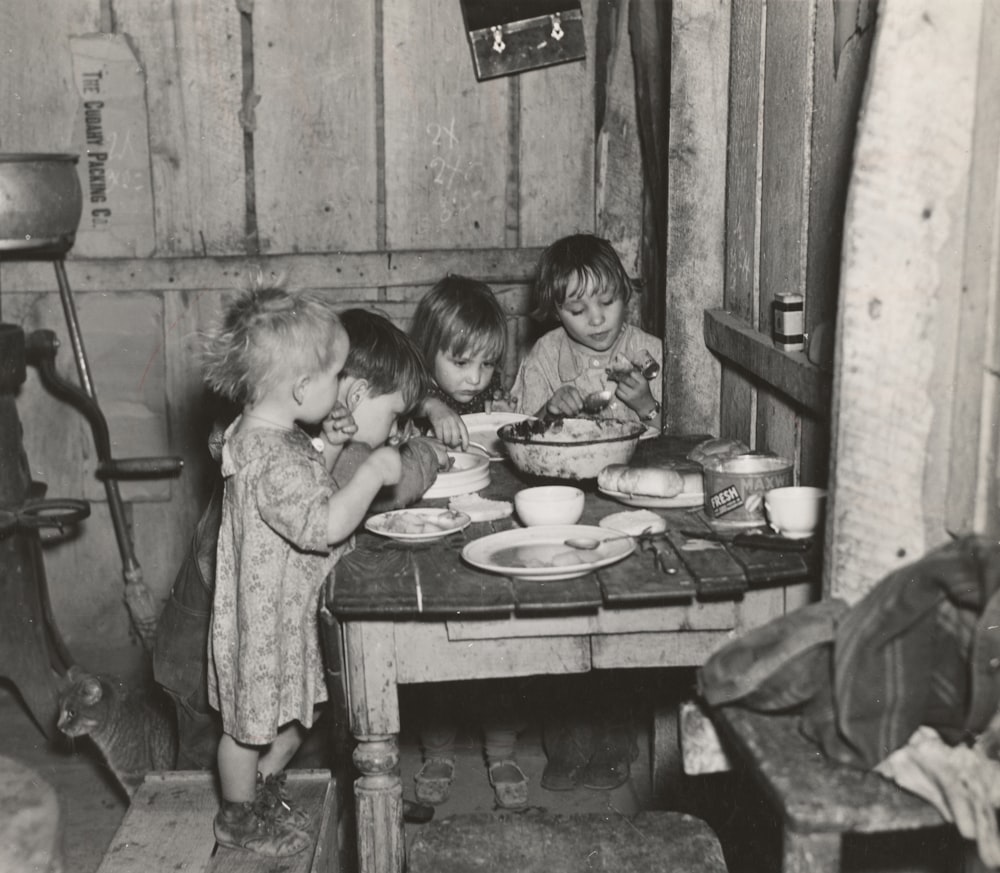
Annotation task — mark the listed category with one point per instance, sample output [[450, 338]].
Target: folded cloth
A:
[[961, 782], [777, 666]]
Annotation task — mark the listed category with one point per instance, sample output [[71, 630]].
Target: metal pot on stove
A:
[[40, 201]]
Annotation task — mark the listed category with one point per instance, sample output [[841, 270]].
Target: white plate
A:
[[508, 551], [483, 427], [650, 433], [470, 471], [382, 523], [680, 501]]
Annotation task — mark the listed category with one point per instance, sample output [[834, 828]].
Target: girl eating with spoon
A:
[[582, 284]]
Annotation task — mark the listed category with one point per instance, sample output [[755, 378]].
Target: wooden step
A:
[[168, 828]]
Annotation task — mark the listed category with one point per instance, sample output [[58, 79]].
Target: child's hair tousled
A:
[[384, 356], [582, 257], [461, 316], [265, 333]]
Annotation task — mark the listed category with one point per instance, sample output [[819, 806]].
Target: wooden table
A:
[[417, 613]]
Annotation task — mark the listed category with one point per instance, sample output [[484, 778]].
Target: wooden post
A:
[[905, 261]]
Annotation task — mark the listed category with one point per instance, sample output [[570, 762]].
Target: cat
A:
[[135, 729]]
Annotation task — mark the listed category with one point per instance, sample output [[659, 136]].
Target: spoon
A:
[[597, 401], [588, 544]]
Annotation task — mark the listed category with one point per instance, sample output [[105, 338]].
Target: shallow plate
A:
[[650, 433], [510, 552], [405, 524], [680, 501], [469, 472], [483, 426]]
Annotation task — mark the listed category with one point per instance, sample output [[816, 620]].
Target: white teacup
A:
[[795, 512]]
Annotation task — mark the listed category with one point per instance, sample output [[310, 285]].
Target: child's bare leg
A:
[[237, 770], [283, 749]]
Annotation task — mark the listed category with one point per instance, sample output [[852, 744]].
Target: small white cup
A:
[[549, 504], [795, 512]]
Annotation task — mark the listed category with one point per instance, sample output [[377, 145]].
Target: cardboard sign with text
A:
[[111, 133]]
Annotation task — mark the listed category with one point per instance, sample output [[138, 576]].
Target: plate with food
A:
[[483, 427], [676, 486], [417, 525], [466, 473], [549, 552]]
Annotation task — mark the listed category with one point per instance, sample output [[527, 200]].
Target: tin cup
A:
[[795, 512], [735, 488]]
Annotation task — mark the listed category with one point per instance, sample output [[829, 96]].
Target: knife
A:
[[771, 542]]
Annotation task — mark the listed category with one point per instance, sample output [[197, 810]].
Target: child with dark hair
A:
[[582, 285], [461, 333], [384, 381]]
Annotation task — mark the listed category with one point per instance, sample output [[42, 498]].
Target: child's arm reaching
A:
[[566, 400], [338, 427], [447, 424], [348, 506]]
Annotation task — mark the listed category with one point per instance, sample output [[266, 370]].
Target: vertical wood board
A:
[[840, 73], [36, 69], [975, 426], [315, 156], [191, 56], [618, 195], [446, 152], [696, 209], [785, 192], [738, 404], [901, 278], [557, 118]]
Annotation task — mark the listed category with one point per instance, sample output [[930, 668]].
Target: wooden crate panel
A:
[[168, 828], [446, 145], [191, 55], [314, 138], [37, 67]]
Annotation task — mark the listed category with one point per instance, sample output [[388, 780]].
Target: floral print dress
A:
[[265, 664]]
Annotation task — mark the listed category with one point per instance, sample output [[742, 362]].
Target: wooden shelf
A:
[[791, 374]]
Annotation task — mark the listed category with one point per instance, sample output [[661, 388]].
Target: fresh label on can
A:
[[725, 501]]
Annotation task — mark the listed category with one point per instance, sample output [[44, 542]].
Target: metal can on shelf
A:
[[788, 328]]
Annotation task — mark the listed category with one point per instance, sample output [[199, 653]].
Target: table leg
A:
[[810, 853], [370, 662], [378, 798]]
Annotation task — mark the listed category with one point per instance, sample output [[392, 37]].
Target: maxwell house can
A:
[[735, 487]]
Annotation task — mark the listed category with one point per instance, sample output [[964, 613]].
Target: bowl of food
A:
[[570, 448], [549, 504]]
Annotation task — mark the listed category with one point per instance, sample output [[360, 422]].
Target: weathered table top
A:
[[384, 578]]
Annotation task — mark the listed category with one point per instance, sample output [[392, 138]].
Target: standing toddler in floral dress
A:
[[284, 524]]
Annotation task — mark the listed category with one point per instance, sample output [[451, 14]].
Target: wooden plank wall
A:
[[348, 146], [796, 74], [916, 387]]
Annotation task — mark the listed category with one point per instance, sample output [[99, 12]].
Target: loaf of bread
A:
[[646, 481]]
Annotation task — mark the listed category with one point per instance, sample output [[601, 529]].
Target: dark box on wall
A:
[[511, 36]]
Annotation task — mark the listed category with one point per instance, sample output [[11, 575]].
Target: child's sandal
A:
[[510, 785], [434, 780]]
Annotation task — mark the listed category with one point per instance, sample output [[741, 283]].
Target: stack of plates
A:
[[470, 471]]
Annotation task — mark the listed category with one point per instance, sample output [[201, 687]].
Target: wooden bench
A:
[[819, 801], [168, 828], [534, 841]]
